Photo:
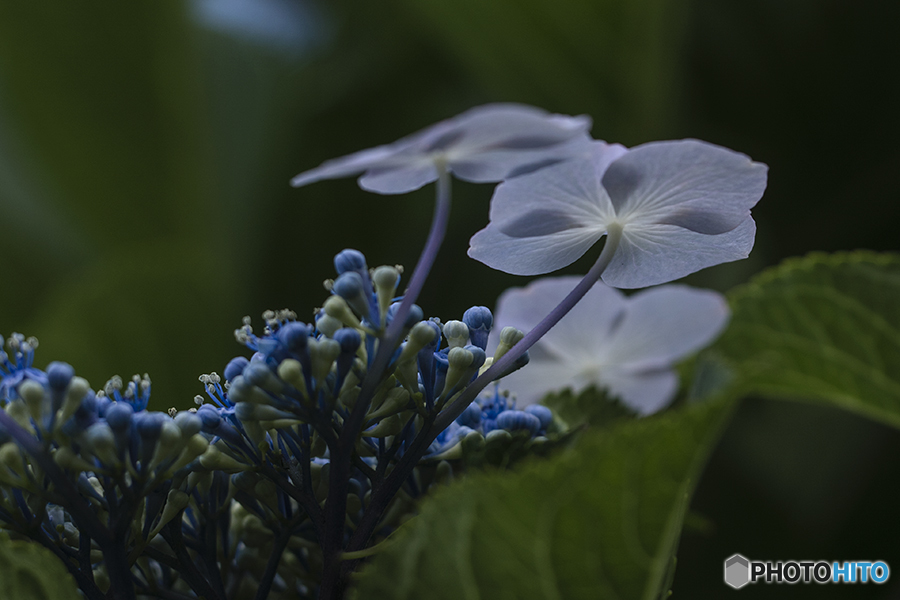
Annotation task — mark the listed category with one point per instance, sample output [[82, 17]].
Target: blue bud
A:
[[103, 404], [119, 416], [544, 415], [59, 374], [235, 367], [415, 315], [436, 342], [349, 260], [87, 412], [513, 420], [260, 375], [209, 417], [348, 285], [149, 425], [478, 356], [471, 417], [189, 423], [351, 287], [479, 320], [349, 339], [294, 336]]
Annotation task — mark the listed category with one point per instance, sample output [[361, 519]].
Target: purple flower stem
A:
[[341, 453], [382, 496]]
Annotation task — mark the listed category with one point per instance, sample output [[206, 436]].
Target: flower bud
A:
[[544, 414], [479, 320], [337, 307], [386, 280], [515, 420], [291, 372], [350, 287], [457, 334], [349, 260], [327, 325], [235, 367], [215, 460], [189, 423], [509, 337]]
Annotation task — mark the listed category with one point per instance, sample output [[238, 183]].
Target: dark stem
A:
[[342, 451], [83, 577], [173, 535], [121, 585], [278, 546]]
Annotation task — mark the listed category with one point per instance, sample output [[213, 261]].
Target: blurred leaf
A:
[[601, 521], [155, 308], [616, 60], [110, 142], [591, 406], [31, 572], [823, 328]]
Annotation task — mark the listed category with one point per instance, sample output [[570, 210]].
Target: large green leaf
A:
[[30, 572], [600, 521], [822, 328]]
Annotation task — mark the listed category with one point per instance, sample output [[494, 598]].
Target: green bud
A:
[[337, 308], [291, 371], [385, 279], [322, 355], [457, 333], [388, 426], [328, 325], [32, 393], [75, 393], [509, 337]]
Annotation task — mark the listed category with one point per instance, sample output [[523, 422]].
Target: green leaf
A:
[[599, 521], [31, 572], [824, 328], [590, 406]]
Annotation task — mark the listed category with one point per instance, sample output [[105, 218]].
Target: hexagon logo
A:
[[737, 571]]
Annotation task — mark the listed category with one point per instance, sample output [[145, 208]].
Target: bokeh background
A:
[[146, 148]]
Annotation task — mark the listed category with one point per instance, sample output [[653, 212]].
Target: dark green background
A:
[[144, 161]]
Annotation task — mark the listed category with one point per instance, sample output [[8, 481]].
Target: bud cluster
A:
[[135, 499]]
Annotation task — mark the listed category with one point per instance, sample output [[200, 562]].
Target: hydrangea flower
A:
[[625, 345], [484, 144], [681, 206]]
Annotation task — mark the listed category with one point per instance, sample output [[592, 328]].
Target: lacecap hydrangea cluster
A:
[[227, 499]]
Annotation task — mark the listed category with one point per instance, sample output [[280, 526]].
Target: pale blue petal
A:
[[663, 325], [352, 164], [398, 180], [531, 255], [537, 379], [698, 186], [653, 254], [544, 221], [512, 127], [645, 393], [496, 164], [581, 334], [485, 143]]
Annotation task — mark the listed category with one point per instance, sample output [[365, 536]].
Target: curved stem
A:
[[342, 451], [382, 496], [614, 234]]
